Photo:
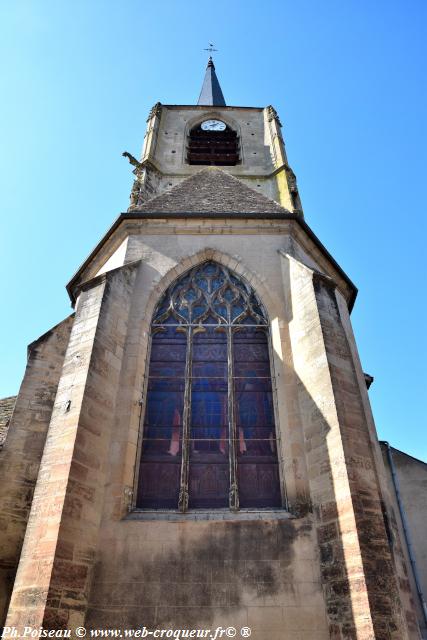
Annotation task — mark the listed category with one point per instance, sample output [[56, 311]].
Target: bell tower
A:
[[246, 142], [207, 457]]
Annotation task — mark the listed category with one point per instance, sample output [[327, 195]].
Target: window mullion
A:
[[234, 490], [186, 417]]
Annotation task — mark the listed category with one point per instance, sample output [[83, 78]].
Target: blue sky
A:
[[348, 80]]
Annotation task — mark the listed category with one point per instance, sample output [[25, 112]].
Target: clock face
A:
[[213, 125]]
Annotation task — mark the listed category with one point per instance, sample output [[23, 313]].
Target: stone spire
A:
[[211, 94]]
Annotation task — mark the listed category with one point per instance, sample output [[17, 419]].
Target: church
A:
[[193, 447]]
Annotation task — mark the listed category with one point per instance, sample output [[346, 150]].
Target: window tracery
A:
[[209, 437]]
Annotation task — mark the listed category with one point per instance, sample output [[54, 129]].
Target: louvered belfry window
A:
[[218, 148], [209, 437]]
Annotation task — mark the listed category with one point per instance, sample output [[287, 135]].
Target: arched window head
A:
[[209, 438], [213, 142]]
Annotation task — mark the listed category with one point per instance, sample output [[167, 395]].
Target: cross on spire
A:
[[211, 48]]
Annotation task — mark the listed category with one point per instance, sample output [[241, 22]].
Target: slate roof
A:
[[6, 409], [211, 93], [211, 190]]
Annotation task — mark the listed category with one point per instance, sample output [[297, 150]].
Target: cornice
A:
[[130, 216]]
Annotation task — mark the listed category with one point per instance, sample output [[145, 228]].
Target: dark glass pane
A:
[[217, 282], [208, 484], [165, 388], [206, 385], [209, 268], [198, 310], [211, 318], [168, 350], [183, 310], [158, 485], [237, 309], [215, 447], [209, 351], [250, 344], [259, 484], [202, 439], [251, 446], [162, 432], [229, 295], [163, 404], [202, 283], [257, 466], [252, 385], [163, 423], [210, 370], [209, 420], [222, 310], [254, 408], [209, 408], [258, 434], [169, 342], [190, 295], [208, 447], [167, 369], [155, 447], [252, 369]]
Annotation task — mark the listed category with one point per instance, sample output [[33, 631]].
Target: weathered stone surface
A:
[[22, 450], [66, 509], [6, 410]]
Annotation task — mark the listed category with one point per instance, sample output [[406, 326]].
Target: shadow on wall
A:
[[200, 577]]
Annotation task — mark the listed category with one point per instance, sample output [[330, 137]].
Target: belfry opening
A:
[[210, 146]]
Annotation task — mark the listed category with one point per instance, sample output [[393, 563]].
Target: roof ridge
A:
[[230, 195]]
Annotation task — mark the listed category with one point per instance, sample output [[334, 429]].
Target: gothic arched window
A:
[[209, 436]]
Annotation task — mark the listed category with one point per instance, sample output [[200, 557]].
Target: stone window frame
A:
[[215, 513]]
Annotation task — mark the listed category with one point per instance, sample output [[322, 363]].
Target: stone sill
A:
[[213, 515]]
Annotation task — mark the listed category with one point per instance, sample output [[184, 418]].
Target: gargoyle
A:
[[131, 159]]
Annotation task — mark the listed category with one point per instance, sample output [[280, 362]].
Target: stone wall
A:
[[56, 561], [23, 447], [360, 515], [196, 573], [412, 485]]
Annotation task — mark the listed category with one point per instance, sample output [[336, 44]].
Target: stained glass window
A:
[[209, 438]]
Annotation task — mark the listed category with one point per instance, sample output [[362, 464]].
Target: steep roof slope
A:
[[211, 93], [6, 409], [211, 190]]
